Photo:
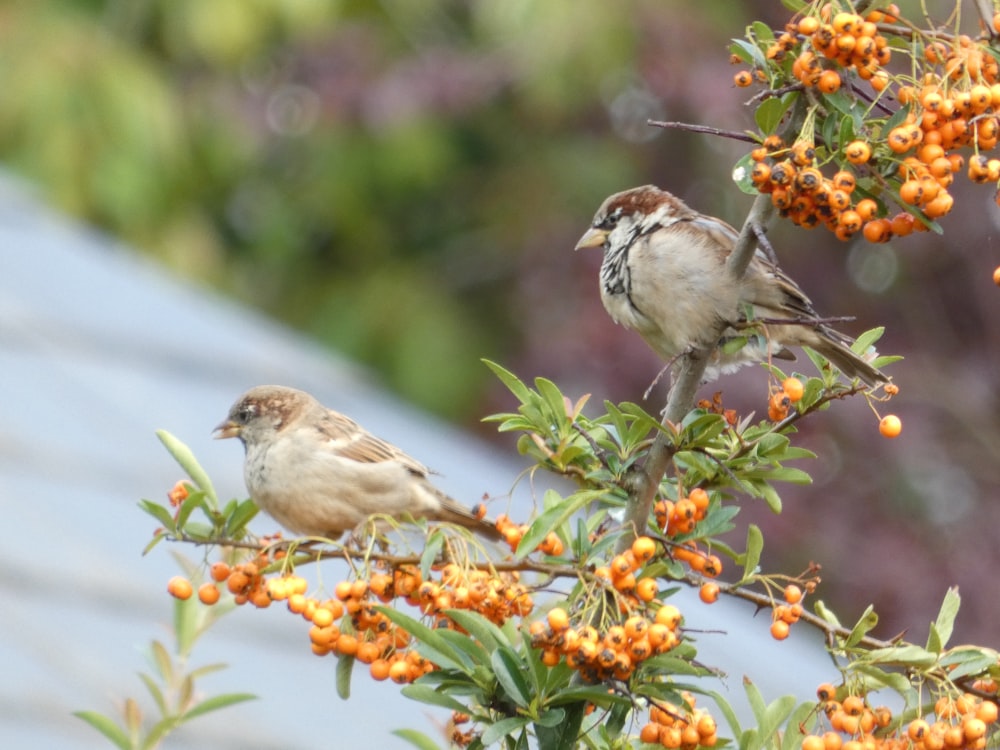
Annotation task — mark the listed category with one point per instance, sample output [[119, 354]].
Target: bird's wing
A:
[[352, 441]]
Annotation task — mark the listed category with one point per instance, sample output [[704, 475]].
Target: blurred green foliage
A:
[[374, 173]]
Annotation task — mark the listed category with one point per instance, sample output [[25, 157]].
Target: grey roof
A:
[[100, 348]]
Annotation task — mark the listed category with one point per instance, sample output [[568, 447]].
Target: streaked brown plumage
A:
[[664, 276], [319, 473]]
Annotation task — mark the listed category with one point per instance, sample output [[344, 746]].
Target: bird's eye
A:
[[609, 221], [245, 413]]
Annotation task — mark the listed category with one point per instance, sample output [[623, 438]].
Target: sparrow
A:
[[664, 276], [319, 473]]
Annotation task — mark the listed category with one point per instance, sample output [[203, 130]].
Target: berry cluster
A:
[[676, 727], [615, 653], [959, 723], [349, 624], [781, 400], [882, 137]]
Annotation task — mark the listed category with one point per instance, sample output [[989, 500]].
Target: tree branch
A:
[[688, 376]]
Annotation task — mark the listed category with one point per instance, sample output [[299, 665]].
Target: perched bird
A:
[[664, 276], [319, 473]]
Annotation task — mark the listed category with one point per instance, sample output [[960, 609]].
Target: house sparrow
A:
[[319, 473], [664, 276]]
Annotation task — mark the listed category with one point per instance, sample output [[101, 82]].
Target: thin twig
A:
[[736, 136]]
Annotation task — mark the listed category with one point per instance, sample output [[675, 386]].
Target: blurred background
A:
[[404, 183]]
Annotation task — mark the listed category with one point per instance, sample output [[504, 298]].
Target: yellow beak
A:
[[594, 237], [227, 429]]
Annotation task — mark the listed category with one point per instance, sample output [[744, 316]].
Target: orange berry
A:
[[826, 692], [399, 672], [996, 275], [379, 670], [646, 589], [858, 152], [780, 630], [793, 388], [180, 587], [208, 593], [878, 230], [917, 730], [650, 733], [669, 615], [829, 82], [890, 426], [709, 592], [813, 742], [643, 548], [793, 594], [347, 644], [558, 619], [219, 571], [743, 78]]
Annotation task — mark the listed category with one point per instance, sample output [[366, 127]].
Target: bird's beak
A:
[[593, 238], [227, 429]]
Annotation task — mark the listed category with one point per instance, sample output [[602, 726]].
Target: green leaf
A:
[[755, 546], [484, 631], [826, 613], [867, 339], [160, 513], [741, 175], [433, 697], [770, 719], [432, 645], [965, 661], [417, 739], [771, 111], [942, 628], [906, 655], [161, 660], [877, 679], [509, 379], [154, 690], [345, 666], [509, 670], [185, 458], [554, 517], [727, 712], [503, 728], [864, 625], [804, 715], [434, 545], [216, 702], [240, 517], [749, 53], [107, 727]]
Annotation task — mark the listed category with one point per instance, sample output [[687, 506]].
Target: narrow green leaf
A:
[[484, 631], [433, 697], [432, 645], [755, 546], [867, 339], [965, 661], [945, 623], [826, 613], [154, 690], [804, 715], [553, 518], [434, 545], [240, 517], [160, 513], [417, 739], [478, 655], [509, 379], [345, 666], [107, 727], [750, 53], [771, 721], [907, 655], [219, 701], [864, 625], [504, 728], [162, 662], [727, 712], [509, 670], [185, 458], [877, 679]]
